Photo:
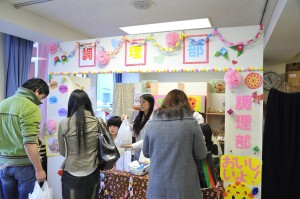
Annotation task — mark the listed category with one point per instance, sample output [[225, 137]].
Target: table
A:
[[117, 184]]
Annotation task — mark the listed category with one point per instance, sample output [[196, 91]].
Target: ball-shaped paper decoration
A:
[[51, 126], [52, 48], [172, 39], [232, 79], [103, 58]]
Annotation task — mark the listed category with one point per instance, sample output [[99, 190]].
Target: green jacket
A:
[[20, 118]]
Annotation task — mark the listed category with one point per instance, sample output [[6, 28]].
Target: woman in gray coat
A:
[[174, 142]]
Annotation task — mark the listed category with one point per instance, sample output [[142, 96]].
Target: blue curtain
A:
[[17, 59], [118, 78]]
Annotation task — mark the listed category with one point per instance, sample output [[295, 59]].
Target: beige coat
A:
[[85, 160]]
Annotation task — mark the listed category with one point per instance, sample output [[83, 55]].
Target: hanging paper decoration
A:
[[56, 60], [50, 77], [232, 79], [230, 111], [64, 59], [257, 98], [51, 126], [234, 62], [253, 80], [256, 149], [52, 48], [172, 39], [245, 43], [239, 47], [102, 58], [223, 51], [159, 46]]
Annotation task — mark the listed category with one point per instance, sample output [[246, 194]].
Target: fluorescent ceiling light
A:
[[168, 26], [28, 3]]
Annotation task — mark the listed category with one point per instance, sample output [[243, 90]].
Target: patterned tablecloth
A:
[[124, 185], [117, 185]]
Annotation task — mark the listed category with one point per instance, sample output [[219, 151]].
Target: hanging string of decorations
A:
[[173, 42]]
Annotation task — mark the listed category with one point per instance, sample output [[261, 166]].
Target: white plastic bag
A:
[[41, 193], [124, 136]]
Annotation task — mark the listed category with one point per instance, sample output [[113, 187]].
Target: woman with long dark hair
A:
[[174, 142], [145, 113], [77, 136]]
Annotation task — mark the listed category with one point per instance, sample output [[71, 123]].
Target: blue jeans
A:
[[17, 181]]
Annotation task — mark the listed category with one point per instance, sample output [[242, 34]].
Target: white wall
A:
[[280, 69], [183, 77], [21, 23], [172, 77], [2, 67]]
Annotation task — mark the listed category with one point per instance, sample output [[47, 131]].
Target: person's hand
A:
[[123, 116], [40, 175], [128, 146]]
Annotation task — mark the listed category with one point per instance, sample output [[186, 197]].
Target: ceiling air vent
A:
[[142, 4]]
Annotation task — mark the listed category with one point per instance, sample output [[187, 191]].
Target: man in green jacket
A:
[[20, 118]]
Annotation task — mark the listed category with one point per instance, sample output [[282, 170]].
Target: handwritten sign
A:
[[195, 49], [244, 169], [135, 54], [197, 103], [87, 55]]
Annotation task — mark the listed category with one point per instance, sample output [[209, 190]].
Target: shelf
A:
[[221, 114]]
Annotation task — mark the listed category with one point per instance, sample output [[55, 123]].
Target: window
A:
[[105, 87]]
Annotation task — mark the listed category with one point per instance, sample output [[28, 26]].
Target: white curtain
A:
[[123, 98]]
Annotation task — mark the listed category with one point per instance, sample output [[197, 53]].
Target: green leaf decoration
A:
[[240, 53], [217, 54], [226, 56]]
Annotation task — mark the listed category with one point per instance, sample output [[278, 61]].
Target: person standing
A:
[[174, 142], [144, 115], [78, 143], [20, 118]]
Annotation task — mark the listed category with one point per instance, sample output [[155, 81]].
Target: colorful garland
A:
[[160, 71], [173, 41]]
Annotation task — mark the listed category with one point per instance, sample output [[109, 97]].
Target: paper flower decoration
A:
[[232, 79], [172, 39], [56, 60], [103, 58], [52, 48], [51, 126], [222, 52]]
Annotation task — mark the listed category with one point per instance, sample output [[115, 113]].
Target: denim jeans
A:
[[1, 192], [17, 181]]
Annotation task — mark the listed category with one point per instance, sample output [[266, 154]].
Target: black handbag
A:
[[108, 153]]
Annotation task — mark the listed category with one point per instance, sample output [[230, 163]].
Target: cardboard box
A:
[[293, 77], [290, 88]]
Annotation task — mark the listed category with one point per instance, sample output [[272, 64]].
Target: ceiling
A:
[[102, 18]]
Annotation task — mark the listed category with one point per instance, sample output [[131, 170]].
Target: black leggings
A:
[[84, 187]]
